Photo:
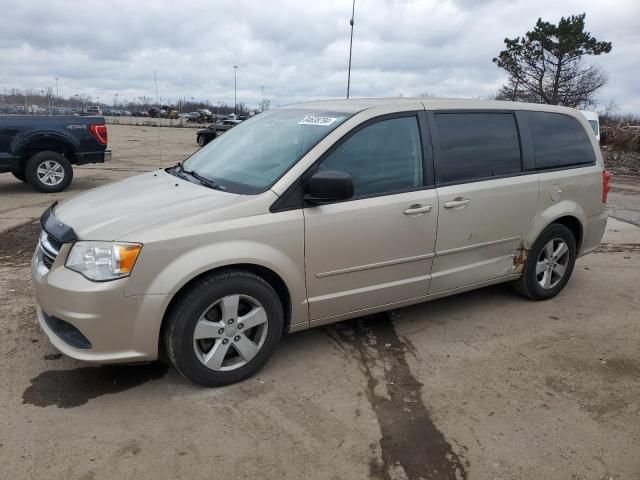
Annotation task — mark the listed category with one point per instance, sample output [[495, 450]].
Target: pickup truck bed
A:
[[41, 150]]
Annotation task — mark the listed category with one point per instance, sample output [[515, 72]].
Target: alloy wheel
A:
[[230, 332], [552, 263], [50, 172]]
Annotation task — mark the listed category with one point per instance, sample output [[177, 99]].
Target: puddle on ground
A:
[[75, 387], [412, 446]]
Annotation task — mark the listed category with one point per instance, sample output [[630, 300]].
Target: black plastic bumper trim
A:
[[67, 332]]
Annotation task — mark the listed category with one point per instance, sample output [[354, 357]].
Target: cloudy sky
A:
[[296, 49]]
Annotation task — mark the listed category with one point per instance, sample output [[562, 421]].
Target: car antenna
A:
[[155, 79]]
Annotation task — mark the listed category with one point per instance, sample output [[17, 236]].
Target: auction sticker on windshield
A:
[[315, 120]]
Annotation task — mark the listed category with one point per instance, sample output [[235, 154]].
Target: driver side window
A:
[[382, 158]]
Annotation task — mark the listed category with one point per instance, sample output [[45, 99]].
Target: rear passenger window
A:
[[381, 158], [475, 146], [559, 140]]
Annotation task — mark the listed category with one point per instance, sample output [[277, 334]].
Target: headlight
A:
[[101, 261]]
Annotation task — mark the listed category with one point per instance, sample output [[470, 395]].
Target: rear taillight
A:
[[99, 132], [606, 185]]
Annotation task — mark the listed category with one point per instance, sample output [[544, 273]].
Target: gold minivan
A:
[[316, 213]]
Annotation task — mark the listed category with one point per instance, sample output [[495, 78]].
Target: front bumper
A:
[[117, 328]]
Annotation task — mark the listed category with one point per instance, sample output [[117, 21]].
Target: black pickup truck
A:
[[41, 150]]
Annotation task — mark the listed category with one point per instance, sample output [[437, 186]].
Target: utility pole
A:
[[235, 89], [262, 98], [353, 11], [57, 92]]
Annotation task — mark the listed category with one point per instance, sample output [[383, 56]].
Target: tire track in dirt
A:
[[412, 446]]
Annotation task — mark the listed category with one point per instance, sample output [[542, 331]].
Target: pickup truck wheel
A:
[[549, 264], [20, 175], [201, 140], [49, 172], [224, 328]]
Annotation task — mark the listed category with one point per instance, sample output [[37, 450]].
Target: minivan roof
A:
[[355, 105]]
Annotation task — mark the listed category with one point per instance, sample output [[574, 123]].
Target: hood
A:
[[112, 211]]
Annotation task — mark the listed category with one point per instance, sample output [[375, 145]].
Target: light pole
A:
[[57, 92], [115, 103], [235, 89], [262, 98], [353, 11]]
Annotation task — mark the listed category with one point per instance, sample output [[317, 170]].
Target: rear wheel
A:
[[549, 264], [224, 328], [49, 172]]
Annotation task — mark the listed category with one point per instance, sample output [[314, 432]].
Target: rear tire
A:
[[224, 328], [549, 264], [49, 172]]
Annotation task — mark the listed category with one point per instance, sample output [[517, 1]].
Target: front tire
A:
[[549, 264], [49, 172], [224, 328], [201, 140]]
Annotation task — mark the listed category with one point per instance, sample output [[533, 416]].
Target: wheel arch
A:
[[566, 213], [573, 224], [41, 142], [272, 278]]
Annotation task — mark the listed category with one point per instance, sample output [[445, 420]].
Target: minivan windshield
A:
[[251, 156]]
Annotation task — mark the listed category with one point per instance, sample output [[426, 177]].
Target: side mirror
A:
[[328, 186]]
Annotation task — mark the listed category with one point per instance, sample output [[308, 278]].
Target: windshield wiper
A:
[[180, 171], [203, 180]]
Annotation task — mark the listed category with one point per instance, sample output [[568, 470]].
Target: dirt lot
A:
[[484, 385]]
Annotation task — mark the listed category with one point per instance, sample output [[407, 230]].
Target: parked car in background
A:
[[205, 135], [313, 214], [594, 122], [42, 150], [92, 110]]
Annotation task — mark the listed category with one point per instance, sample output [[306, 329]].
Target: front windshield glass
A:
[[251, 156]]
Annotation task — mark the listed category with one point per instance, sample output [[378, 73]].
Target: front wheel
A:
[[201, 140], [49, 172], [224, 328], [549, 264]]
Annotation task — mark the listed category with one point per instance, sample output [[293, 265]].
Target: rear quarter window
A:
[[559, 141]]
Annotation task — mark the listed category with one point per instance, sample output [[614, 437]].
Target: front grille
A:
[[48, 249], [54, 243]]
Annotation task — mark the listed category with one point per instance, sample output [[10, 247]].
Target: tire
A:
[[201, 140], [59, 168], [20, 175], [209, 308], [540, 278]]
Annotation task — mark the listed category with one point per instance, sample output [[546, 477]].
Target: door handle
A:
[[457, 203], [417, 209]]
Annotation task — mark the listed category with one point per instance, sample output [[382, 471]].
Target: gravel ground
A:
[[483, 385]]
